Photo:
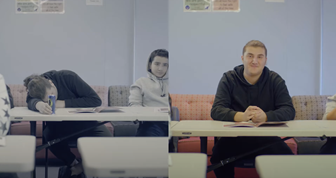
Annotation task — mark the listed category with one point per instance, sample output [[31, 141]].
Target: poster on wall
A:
[[225, 6], [197, 5], [39, 6]]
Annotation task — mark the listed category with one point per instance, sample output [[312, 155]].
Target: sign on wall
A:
[[225, 5], [197, 5], [39, 6], [211, 6]]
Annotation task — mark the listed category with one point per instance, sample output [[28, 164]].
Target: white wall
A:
[[150, 30], [329, 45], [205, 45], [94, 41]]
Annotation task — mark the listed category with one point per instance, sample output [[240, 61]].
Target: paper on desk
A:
[[162, 110], [2, 141], [261, 124], [96, 110]]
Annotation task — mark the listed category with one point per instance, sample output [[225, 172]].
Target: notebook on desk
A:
[[96, 110], [261, 124]]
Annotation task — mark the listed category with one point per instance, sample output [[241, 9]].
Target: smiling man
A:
[[250, 92]]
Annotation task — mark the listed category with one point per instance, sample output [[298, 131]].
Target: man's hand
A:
[[247, 115], [259, 116], [60, 104], [43, 108]]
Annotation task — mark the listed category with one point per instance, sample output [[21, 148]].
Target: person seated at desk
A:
[[6, 104], [152, 91], [330, 114], [250, 92], [70, 91]]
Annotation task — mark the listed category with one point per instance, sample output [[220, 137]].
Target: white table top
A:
[[18, 155], [205, 128], [62, 114], [296, 166], [173, 123], [188, 165], [124, 156]]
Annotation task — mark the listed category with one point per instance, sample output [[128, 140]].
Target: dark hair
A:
[[158, 52], [255, 43], [36, 86]]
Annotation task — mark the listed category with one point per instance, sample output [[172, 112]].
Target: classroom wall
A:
[[110, 44], [94, 41], [328, 47], [150, 32], [205, 45]]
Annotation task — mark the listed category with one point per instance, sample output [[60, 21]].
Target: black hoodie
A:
[[235, 94], [71, 88]]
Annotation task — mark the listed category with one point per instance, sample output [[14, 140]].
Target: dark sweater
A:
[[71, 88], [235, 94]]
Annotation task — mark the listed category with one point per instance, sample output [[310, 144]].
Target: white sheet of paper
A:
[[197, 5], [274, 0], [39, 6], [162, 110], [226, 6], [94, 2]]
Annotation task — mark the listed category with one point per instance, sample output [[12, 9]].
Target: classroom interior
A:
[[108, 45]]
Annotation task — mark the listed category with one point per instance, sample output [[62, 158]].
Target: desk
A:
[[62, 114], [296, 166], [124, 156], [18, 155], [188, 165], [210, 128], [173, 123]]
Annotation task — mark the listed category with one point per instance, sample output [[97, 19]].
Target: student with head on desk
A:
[[70, 91], [6, 103], [250, 92]]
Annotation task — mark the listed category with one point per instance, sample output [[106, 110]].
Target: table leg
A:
[[46, 159], [33, 132], [204, 144]]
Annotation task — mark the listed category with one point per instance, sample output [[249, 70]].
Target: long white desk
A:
[[124, 156], [296, 166], [188, 165], [210, 128], [173, 123], [18, 155], [62, 114]]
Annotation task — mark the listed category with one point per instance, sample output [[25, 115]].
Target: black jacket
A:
[[71, 88], [235, 94]]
